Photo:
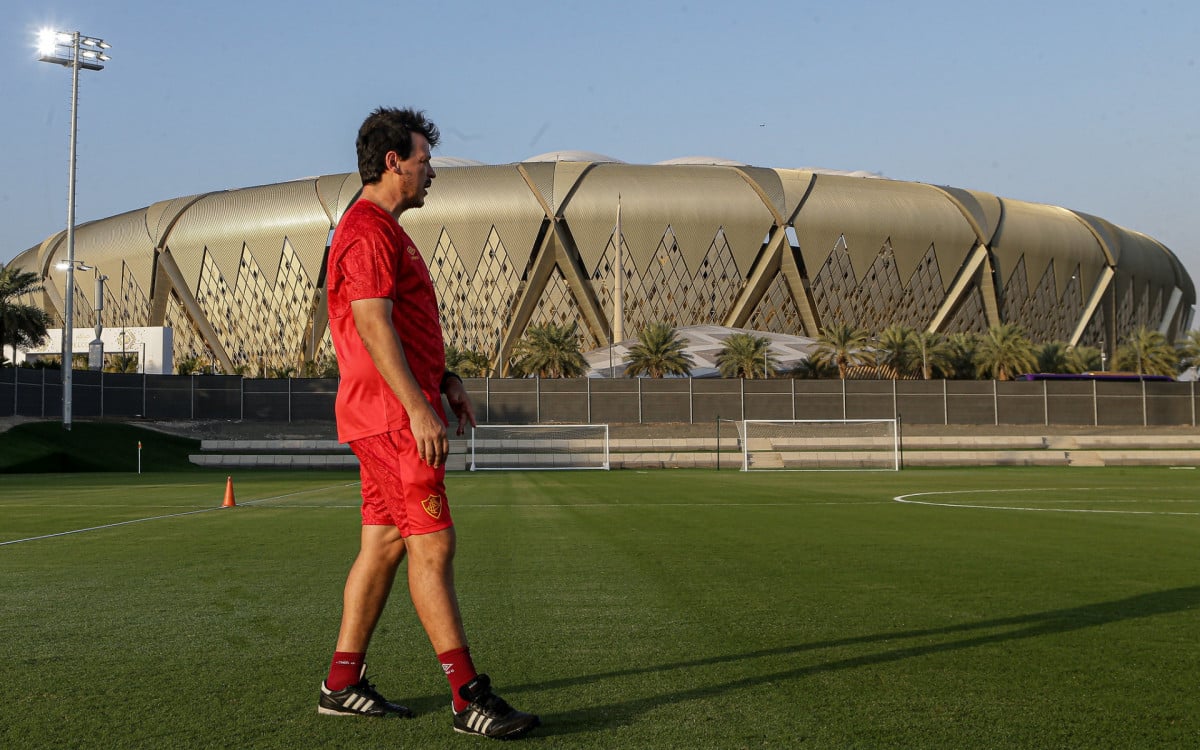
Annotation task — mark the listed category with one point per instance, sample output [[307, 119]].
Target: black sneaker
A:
[[488, 715], [360, 699]]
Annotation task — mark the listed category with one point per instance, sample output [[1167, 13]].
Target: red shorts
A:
[[398, 488]]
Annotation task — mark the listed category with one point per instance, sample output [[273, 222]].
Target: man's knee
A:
[[434, 550], [383, 544]]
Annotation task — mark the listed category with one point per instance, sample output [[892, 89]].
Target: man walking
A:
[[383, 317]]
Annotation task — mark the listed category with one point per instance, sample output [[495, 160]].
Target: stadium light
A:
[[75, 51]]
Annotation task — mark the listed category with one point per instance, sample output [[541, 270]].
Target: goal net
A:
[[539, 446], [819, 445]]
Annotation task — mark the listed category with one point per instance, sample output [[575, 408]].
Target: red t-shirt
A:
[[372, 257]]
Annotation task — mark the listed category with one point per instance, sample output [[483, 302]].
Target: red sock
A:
[[459, 670], [345, 670]]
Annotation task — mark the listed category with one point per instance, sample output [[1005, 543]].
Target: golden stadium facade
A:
[[239, 274]]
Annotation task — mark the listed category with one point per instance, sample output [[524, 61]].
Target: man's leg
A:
[[368, 585], [477, 710], [431, 586], [346, 692]]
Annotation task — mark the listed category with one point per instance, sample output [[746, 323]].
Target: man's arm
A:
[[373, 319]]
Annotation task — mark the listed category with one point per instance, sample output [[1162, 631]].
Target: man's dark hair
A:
[[389, 129]]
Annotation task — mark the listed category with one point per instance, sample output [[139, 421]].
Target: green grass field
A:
[[1056, 608]]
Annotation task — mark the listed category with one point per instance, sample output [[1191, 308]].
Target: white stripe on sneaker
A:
[[479, 723]]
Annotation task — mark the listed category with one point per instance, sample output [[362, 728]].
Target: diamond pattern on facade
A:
[[668, 291], [558, 306], [881, 298], [923, 293], [833, 288], [186, 340], [1044, 315], [126, 305], [1016, 292], [970, 316], [777, 311], [256, 321], [475, 306], [1125, 314], [1093, 333]]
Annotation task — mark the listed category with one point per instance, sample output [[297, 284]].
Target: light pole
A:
[[75, 51]]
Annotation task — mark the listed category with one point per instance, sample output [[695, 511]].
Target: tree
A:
[[1083, 358], [467, 362], [897, 349], [20, 325], [809, 369], [191, 365], [660, 351], [1053, 356], [932, 353], [745, 355], [123, 362], [1189, 350], [843, 347], [1147, 352], [550, 351], [1004, 352], [961, 348]]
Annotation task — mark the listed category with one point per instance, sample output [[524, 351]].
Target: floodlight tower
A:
[[75, 51]]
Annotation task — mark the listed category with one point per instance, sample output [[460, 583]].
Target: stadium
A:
[[238, 274]]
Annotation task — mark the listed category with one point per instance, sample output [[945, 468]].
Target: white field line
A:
[[162, 517], [907, 499]]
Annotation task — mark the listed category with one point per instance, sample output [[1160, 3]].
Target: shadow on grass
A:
[[1034, 625]]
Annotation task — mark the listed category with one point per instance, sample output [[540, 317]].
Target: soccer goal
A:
[[539, 446], [820, 444]]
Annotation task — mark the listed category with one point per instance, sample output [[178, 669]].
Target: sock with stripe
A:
[[459, 670], [345, 669]]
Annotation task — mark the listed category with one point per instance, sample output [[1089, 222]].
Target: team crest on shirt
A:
[[433, 506], [412, 250]]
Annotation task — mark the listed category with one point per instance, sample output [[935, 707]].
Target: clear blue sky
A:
[[1094, 107]]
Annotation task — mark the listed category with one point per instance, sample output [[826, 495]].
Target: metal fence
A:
[[38, 393]]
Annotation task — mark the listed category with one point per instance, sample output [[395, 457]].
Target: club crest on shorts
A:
[[433, 505]]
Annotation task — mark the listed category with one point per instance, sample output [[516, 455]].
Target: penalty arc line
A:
[[907, 501]]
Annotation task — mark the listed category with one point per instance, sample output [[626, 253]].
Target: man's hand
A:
[[460, 404], [430, 434]]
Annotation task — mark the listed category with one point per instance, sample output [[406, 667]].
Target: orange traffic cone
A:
[[229, 502]]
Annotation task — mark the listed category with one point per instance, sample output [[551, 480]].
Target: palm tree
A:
[[961, 348], [745, 355], [467, 362], [844, 347], [123, 362], [1053, 356], [660, 351], [20, 324], [810, 369], [1147, 353], [550, 351], [1003, 352], [896, 349], [1189, 350], [1083, 358], [932, 353], [191, 365]]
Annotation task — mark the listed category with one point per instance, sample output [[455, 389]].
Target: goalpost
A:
[[539, 446], [820, 444]]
